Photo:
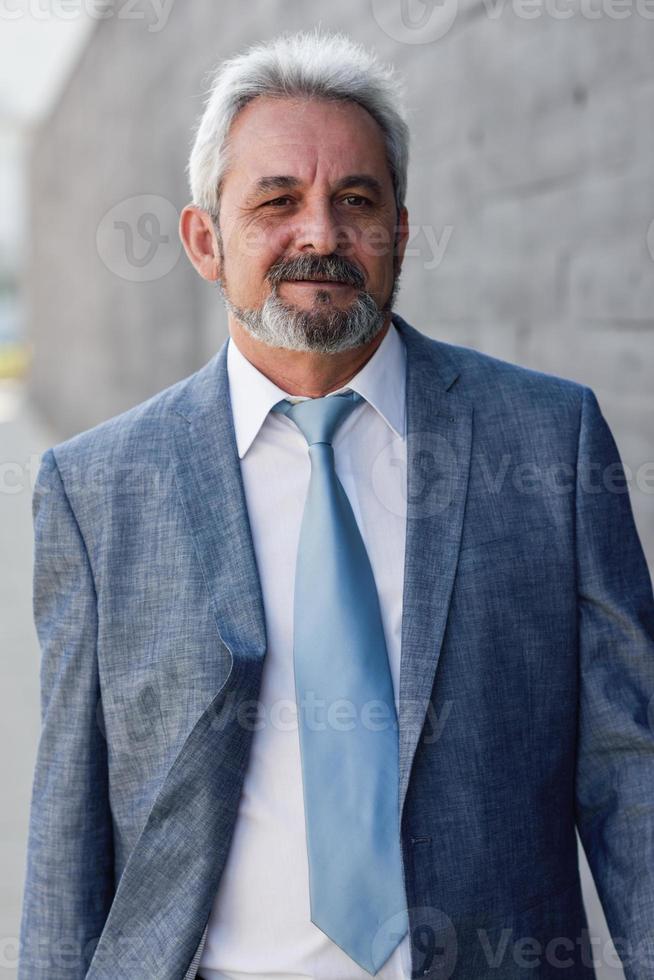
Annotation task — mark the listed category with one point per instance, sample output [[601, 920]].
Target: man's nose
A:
[[317, 229]]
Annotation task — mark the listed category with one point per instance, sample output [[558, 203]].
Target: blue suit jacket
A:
[[526, 688]]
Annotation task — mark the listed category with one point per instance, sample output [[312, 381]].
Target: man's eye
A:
[[278, 201], [357, 200]]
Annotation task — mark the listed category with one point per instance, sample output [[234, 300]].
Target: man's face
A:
[[308, 197]]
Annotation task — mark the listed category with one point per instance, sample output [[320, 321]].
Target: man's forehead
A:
[[290, 113], [284, 137]]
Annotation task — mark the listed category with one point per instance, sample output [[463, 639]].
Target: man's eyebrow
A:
[[276, 182], [286, 182], [360, 180]]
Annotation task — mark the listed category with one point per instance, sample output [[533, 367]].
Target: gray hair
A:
[[306, 64]]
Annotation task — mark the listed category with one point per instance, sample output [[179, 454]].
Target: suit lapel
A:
[[208, 477], [439, 436]]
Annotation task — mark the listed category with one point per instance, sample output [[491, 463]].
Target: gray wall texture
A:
[[531, 197]]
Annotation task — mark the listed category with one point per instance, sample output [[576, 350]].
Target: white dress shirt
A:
[[260, 923]]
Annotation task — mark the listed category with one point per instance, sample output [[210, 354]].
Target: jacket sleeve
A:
[[69, 878], [614, 789]]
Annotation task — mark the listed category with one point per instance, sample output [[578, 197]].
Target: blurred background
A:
[[531, 199]]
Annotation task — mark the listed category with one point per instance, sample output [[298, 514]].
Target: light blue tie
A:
[[346, 711]]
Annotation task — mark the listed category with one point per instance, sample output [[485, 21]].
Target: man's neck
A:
[[304, 372]]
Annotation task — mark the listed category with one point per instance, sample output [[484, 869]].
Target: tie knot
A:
[[319, 418]]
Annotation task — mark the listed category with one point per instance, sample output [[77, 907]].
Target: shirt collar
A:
[[381, 381]]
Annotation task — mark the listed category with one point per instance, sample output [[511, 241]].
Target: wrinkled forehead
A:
[[306, 139]]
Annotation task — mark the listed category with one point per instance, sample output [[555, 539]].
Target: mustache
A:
[[331, 268]]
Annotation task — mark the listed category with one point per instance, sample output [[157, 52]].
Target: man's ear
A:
[[198, 235], [401, 238]]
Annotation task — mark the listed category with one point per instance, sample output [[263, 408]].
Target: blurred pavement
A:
[[22, 440]]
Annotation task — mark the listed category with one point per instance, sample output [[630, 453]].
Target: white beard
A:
[[325, 331]]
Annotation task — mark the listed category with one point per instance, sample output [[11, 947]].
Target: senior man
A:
[[322, 695]]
